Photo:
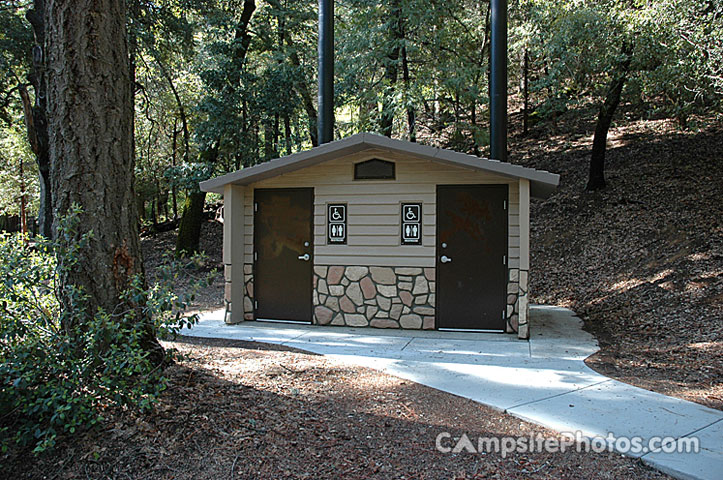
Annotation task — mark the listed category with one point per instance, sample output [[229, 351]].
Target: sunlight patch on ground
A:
[[630, 283], [705, 345], [625, 285], [699, 257]]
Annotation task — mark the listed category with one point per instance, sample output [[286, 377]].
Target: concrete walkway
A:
[[544, 381]]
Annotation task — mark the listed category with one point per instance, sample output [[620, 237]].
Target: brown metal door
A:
[[283, 248], [471, 257]]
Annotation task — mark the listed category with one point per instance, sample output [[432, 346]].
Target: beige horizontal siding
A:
[[374, 209]]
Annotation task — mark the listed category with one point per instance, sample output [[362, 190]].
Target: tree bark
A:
[[242, 40], [391, 72], [37, 121], [189, 230], [411, 114], [596, 179], [287, 134], [181, 110], [268, 140], [23, 212], [303, 89], [90, 120], [174, 189], [525, 91]]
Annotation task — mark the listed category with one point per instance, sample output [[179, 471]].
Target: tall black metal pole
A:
[[326, 71], [498, 80]]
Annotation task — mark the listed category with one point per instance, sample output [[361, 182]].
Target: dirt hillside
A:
[[642, 260]]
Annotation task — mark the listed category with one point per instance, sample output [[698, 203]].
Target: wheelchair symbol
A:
[[411, 213]]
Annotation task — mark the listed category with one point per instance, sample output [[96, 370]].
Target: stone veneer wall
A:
[[517, 302], [387, 297], [382, 297], [248, 291], [248, 304], [227, 293]]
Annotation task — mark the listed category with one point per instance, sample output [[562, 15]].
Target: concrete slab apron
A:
[[544, 381]]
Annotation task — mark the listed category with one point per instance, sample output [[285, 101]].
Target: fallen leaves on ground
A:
[[642, 260], [241, 410]]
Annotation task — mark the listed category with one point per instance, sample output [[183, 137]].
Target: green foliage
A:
[[681, 63], [187, 175], [60, 371], [15, 44], [574, 47], [14, 149], [445, 44]]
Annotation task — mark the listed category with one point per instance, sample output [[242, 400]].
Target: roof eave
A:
[[286, 164], [542, 183]]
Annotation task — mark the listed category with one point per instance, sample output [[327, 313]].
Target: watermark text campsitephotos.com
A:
[[445, 442]]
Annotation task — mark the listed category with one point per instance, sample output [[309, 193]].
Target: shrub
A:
[[59, 372]]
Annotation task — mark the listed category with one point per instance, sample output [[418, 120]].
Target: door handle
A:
[[445, 259], [305, 257]]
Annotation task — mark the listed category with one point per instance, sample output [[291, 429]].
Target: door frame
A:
[[254, 268], [437, 262]]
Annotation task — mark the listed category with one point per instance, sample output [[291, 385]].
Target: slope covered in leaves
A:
[[641, 261]]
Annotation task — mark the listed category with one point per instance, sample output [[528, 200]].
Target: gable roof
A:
[[542, 183]]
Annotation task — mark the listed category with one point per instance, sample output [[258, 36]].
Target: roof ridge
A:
[[543, 181]]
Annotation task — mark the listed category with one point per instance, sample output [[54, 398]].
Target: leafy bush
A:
[[58, 370]]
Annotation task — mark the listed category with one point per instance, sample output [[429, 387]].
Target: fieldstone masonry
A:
[[386, 297], [248, 306], [248, 291], [382, 297], [517, 303], [227, 293]]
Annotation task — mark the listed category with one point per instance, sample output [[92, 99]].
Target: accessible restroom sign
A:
[[336, 223], [411, 224]]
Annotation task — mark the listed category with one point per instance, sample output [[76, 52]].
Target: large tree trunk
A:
[[90, 120], [189, 230], [596, 180]]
